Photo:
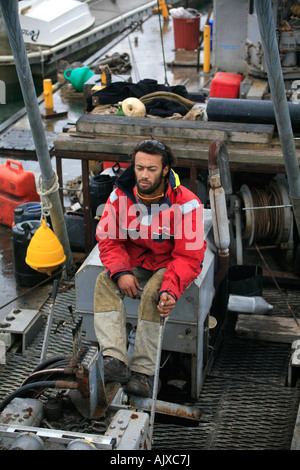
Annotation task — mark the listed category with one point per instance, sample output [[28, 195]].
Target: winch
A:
[[34, 419]]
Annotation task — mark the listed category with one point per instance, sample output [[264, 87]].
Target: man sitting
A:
[[151, 230]]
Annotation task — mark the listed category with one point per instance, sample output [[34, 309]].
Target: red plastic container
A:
[[186, 33], [16, 187], [226, 85]]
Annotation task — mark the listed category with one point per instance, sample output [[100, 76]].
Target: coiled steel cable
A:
[[268, 217]]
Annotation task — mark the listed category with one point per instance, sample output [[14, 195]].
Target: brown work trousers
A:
[[110, 320]]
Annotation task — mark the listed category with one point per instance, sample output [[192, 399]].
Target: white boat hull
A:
[[49, 22]]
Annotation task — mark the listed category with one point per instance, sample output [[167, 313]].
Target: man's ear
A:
[[166, 170]]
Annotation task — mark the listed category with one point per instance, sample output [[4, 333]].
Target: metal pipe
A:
[[162, 325], [217, 164], [248, 111], [11, 19], [49, 321], [238, 230], [276, 83], [167, 408], [282, 206]]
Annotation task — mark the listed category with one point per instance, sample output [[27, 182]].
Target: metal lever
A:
[[156, 375], [49, 321]]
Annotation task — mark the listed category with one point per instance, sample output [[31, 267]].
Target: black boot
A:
[[115, 370], [140, 384]]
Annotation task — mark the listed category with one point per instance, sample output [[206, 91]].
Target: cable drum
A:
[[284, 228], [266, 213]]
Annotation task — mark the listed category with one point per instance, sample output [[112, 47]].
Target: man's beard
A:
[[151, 188]]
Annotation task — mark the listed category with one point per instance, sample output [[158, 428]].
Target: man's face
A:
[[149, 173]]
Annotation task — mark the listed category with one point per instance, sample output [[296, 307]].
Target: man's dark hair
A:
[[157, 147]]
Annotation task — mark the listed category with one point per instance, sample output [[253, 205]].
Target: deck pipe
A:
[[248, 111], [276, 83], [11, 19]]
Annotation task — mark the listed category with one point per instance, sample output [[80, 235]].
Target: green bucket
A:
[[78, 77]]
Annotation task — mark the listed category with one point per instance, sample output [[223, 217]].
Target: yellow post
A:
[[206, 49], [164, 9], [47, 93]]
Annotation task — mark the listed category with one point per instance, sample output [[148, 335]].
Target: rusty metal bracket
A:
[[220, 185], [218, 162], [166, 408]]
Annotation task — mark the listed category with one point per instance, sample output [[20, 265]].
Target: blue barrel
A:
[[21, 234]]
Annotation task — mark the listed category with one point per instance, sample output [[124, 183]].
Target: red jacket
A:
[[168, 234]]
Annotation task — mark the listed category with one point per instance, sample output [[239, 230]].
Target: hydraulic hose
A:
[[48, 374], [47, 362], [21, 390], [41, 384]]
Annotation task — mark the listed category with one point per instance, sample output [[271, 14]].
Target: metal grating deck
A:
[[236, 415], [245, 402]]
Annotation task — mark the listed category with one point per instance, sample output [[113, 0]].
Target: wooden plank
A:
[[281, 277], [194, 154], [112, 145], [241, 158], [170, 129], [267, 328]]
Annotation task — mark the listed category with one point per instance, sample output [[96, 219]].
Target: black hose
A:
[[40, 374], [48, 362], [21, 390]]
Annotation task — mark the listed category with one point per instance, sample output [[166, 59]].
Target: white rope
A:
[[44, 193]]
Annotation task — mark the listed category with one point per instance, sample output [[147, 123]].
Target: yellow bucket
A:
[[45, 252]]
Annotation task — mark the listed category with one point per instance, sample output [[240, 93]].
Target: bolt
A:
[[9, 317]]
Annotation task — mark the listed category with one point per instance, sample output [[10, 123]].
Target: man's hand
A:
[[129, 285], [166, 304]]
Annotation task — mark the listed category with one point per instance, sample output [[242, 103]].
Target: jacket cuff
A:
[[168, 292], [115, 276]]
